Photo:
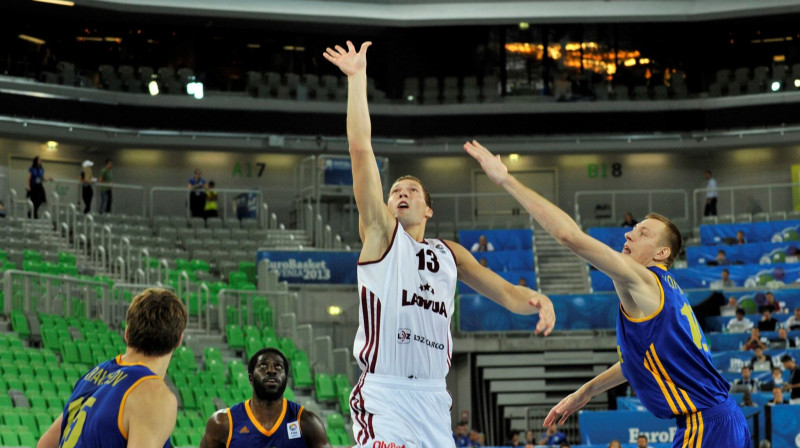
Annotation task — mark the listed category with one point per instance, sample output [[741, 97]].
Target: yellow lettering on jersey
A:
[[672, 283], [101, 377], [619, 353]]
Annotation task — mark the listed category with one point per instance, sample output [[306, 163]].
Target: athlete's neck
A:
[[266, 411], [416, 231], [158, 364]]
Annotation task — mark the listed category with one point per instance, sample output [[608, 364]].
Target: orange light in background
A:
[[779, 58], [648, 74], [587, 55], [629, 62]]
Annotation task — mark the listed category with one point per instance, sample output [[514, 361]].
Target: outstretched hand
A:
[[349, 61], [491, 164], [566, 407], [547, 315]]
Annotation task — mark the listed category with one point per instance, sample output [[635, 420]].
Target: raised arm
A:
[[639, 288], [575, 401], [217, 429], [517, 299], [374, 217], [52, 436], [313, 430]]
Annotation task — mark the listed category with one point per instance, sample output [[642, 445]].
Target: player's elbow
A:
[[569, 238]]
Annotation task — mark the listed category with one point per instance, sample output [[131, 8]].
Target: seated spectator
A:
[[740, 323], [642, 442], [775, 381], [529, 439], [782, 341], [2, 211], [484, 263], [767, 322], [460, 435], [482, 245], [522, 281], [761, 362], [746, 383], [724, 280], [475, 439], [564, 445], [730, 308], [629, 221], [720, 260], [740, 237], [755, 340], [513, 438], [777, 397], [552, 436], [769, 303], [793, 322], [614, 444], [747, 400]]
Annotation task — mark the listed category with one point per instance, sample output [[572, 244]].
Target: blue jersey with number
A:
[[93, 414], [244, 430], [665, 356]]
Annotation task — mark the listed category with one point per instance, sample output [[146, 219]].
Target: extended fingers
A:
[[341, 50]]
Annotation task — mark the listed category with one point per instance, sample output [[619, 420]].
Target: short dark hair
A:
[[211, 184], [740, 311], [787, 358], [708, 172], [108, 160], [642, 436], [155, 322], [251, 364], [428, 200], [672, 237]]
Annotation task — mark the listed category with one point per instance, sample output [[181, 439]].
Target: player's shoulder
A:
[[154, 390]]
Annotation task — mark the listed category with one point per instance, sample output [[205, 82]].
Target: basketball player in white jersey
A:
[[406, 288]]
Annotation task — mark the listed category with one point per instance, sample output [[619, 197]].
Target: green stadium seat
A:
[[19, 323], [216, 367], [27, 439], [263, 312], [180, 439], [25, 369], [15, 384], [29, 421], [199, 265], [9, 438], [249, 269], [12, 417], [212, 353], [288, 394], [43, 420], [341, 383], [270, 342], [236, 279], [69, 352], [240, 380], [251, 331], [269, 332], [236, 366], [197, 422], [323, 386], [287, 346], [235, 336], [30, 254], [55, 402], [344, 401], [67, 258], [301, 373], [84, 352], [188, 399], [38, 403]]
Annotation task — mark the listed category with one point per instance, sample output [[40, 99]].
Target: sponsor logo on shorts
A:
[[403, 336], [382, 444]]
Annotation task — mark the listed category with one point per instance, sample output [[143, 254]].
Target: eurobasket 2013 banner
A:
[[796, 187], [327, 267]]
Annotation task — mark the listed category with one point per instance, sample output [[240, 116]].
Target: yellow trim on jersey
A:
[[660, 305], [671, 385], [230, 427], [258, 426], [700, 430], [648, 365], [125, 398], [119, 361], [693, 435], [299, 413]]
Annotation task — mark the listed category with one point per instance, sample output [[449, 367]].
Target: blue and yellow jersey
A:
[[244, 430], [665, 356], [93, 414]]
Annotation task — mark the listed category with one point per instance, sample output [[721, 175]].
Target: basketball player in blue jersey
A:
[[662, 350], [125, 402], [267, 419]]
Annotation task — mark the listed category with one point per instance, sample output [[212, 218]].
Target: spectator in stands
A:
[[484, 263], [777, 397], [629, 221], [770, 303], [747, 400], [211, 209], [711, 195], [740, 239], [530, 442], [740, 323], [614, 444], [106, 176], [775, 381], [564, 445], [761, 362], [782, 341], [35, 186], [794, 378], [513, 438], [642, 442], [268, 370], [460, 435], [720, 260], [475, 439], [730, 308], [86, 179], [552, 436], [767, 322], [197, 198], [764, 443], [724, 280], [147, 408], [746, 383], [2, 210], [793, 322], [482, 245], [755, 340], [522, 281]]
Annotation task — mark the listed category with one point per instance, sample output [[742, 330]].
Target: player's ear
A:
[[429, 213], [663, 253]]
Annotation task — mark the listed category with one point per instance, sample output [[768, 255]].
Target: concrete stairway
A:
[[558, 270]]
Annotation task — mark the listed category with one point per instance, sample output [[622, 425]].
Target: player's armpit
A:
[[217, 430], [313, 430], [149, 414]]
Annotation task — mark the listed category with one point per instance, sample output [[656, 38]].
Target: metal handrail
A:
[[732, 190], [12, 202], [615, 193], [223, 192], [112, 185]]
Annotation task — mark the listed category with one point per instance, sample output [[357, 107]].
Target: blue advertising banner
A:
[[751, 253], [625, 426], [340, 171], [785, 426], [757, 232], [512, 239], [613, 237], [317, 267]]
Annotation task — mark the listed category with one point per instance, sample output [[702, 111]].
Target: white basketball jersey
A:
[[406, 302]]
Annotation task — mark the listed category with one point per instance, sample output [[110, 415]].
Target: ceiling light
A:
[[513, 158], [776, 85], [51, 146], [32, 39], [152, 87], [797, 83], [334, 310], [57, 2]]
